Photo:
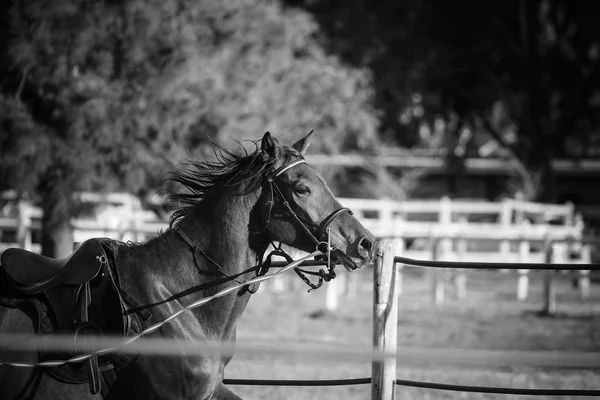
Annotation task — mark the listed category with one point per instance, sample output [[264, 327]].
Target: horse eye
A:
[[302, 190]]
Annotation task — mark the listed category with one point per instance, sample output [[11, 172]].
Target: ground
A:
[[490, 318]]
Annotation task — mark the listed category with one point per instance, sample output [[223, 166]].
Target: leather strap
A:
[[94, 374], [197, 248]]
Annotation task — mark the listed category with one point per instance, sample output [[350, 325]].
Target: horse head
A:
[[300, 210]]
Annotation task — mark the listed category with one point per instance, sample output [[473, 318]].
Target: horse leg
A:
[[27, 382], [221, 392]]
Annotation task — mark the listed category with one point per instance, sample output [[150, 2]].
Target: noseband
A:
[[321, 239]]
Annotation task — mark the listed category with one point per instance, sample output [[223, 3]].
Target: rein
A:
[[157, 325]]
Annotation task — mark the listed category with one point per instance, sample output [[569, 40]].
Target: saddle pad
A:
[[37, 309], [107, 311]]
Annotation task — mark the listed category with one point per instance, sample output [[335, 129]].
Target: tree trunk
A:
[[535, 150], [57, 231], [455, 163]]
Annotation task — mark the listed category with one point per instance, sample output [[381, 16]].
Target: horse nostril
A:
[[364, 247]]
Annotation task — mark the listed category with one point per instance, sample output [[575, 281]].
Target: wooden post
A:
[[549, 289], [332, 295], [585, 257], [445, 217], [437, 283], [523, 282], [460, 279], [351, 284], [385, 322], [519, 214], [398, 234], [506, 213], [584, 283], [584, 275], [386, 217], [570, 218], [505, 222], [400, 247], [524, 251], [343, 278], [24, 226]]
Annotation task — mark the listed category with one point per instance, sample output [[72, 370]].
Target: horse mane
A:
[[229, 169]]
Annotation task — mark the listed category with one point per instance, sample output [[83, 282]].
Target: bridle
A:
[[321, 239]]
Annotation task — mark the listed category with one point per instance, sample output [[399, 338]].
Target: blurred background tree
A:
[[522, 72]]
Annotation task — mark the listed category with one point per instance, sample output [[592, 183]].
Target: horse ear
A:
[[302, 144], [268, 146]]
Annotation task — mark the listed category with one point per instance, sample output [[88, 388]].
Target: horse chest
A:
[[191, 375]]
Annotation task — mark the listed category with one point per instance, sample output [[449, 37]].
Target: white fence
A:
[[512, 230], [385, 218]]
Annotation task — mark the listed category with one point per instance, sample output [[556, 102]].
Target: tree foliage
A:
[[525, 72], [101, 95]]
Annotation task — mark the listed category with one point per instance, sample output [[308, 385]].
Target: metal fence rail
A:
[[417, 384], [493, 265]]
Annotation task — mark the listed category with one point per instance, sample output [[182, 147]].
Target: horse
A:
[[231, 210]]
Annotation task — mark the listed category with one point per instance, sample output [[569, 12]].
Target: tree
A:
[[526, 69], [63, 127], [102, 95]]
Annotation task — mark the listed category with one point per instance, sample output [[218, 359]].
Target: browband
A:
[[285, 168]]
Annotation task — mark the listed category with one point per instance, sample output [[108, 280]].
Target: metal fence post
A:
[[385, 321]]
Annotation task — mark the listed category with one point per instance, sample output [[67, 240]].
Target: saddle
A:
[[79, 294], [33, 273]]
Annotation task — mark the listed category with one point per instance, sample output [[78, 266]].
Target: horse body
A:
[[230, 219], [196, 377]]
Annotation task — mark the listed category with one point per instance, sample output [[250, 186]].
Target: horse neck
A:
[[219, 226]]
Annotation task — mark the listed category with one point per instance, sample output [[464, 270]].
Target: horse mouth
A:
[[350, 263]]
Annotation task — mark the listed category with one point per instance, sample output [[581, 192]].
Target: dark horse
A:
[[233, 209]]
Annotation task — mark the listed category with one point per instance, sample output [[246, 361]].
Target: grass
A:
[[490, 318]]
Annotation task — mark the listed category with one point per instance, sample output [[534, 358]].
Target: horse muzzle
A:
[[357, 256]]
